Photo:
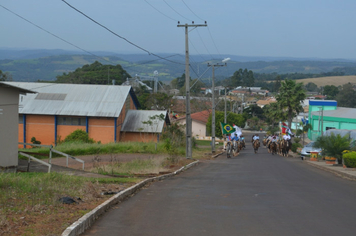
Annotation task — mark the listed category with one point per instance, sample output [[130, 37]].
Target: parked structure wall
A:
[[139, 137]]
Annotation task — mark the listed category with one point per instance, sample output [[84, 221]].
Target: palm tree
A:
[[274, 113], [290, 96]]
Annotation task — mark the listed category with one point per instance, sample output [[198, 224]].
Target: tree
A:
[[236, 78], [253, 111], [277, 84], [232, 118], [5, 76], [95, 73], [330, 91], [347, 96], [274, 113], [311, 87], [289, 99], [156, 101]]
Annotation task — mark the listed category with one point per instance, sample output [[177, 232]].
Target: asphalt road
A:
[[252, 194]]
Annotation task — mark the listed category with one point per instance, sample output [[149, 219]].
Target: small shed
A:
[[143, 125], [9, 107]]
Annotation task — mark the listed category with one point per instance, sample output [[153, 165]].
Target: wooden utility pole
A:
[[188, 119]]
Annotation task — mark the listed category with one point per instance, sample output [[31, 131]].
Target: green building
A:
[[325, 115]]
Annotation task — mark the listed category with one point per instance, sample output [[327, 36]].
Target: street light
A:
[[213, 105]]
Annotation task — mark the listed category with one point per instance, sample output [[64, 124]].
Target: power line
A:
[[204, 44], [176, 11], [117, 35], [191, 10], [160, 11], [55, 35]]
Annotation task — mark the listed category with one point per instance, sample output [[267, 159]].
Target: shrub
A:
[[333, 145], [295, 146], [296, 140], [350, 159], [79, 136]]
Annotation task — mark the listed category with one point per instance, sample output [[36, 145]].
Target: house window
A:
[[20, 119], [67, 120]]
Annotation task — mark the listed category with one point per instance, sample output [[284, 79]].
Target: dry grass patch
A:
[[330, 80]]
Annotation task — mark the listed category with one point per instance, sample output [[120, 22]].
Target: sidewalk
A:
[[348, 173]]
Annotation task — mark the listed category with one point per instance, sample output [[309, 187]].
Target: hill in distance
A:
[[45, 65]]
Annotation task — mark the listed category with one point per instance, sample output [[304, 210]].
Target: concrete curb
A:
[[336, 172], [215, 156], [88, 219]]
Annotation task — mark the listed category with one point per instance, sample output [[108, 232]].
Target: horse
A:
[[273, 148], [235, 147], [256, 145], [264, 142], [286, 147]]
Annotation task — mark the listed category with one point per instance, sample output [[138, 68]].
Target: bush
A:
[[333, 145], [295, 146], [79, 136], [350, 159], [296, 140]]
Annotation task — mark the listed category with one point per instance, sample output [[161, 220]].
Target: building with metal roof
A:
[[59, 109], [144, 125], [325, 115]]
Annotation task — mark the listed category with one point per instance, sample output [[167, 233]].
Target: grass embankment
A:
[[83, 149], [29, 202]]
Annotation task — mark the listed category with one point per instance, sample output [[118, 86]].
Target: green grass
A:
[[22, 190], [82, 149]]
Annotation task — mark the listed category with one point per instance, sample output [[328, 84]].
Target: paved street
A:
[[252, 194]]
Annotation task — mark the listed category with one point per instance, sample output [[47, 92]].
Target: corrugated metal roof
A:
[[73, 99], [340, 112], [21, 90], [134, 121]]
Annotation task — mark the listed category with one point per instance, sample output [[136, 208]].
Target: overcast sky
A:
[[276, 28]]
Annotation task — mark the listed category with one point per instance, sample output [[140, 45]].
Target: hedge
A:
[[350, 159]]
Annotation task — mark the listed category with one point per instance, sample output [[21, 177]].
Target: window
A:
[[20, 119], [67, 120]]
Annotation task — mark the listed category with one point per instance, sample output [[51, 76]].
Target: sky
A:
[[263, 28]]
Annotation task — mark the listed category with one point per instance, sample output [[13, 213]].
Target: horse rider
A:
[[254, 138]]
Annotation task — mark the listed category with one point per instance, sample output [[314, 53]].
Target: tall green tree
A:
[[232, 118], [274, 114], [5, 76], [346, 96], [95, 73], [330, 91], [277, 84], [289, 98]]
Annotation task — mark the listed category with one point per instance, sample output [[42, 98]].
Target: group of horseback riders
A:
[[277, 145]]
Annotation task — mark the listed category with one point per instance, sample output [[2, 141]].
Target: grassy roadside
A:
[[29, 202]]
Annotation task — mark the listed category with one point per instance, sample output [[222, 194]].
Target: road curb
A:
[[338, 173], [88, 219], [215, 156]]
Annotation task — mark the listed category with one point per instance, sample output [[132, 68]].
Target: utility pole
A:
[[213, 106], [188, 119]]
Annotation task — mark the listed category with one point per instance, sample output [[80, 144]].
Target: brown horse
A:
[[273, 148], [286, 146], [256, 145]]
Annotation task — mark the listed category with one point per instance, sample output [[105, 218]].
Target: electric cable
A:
[[176, 11], [160, 11], [191, 10], [117, 35], [56, 35]]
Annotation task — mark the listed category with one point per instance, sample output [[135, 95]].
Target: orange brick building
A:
[[59, 109]]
